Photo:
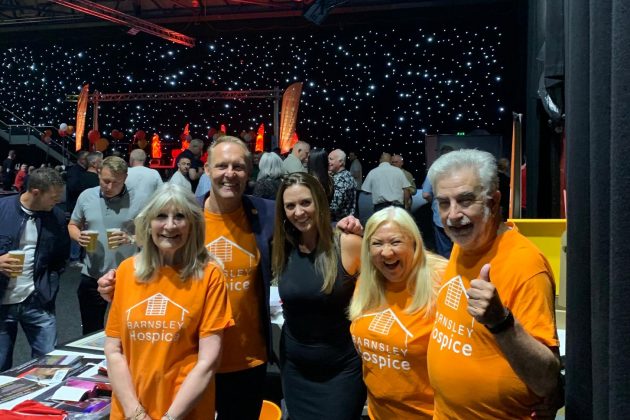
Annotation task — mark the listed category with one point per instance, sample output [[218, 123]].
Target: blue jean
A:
[[75, 251], [39, 325], [91, 305]]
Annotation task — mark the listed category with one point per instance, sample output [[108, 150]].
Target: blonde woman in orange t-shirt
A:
[[392, 315], [165, 326]]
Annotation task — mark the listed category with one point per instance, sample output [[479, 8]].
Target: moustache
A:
[[464, 221]]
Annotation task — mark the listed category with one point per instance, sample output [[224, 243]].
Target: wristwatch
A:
[[505, 324]]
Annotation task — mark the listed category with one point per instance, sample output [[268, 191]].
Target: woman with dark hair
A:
[[316, 270], [318, 167], [269, 176], [165, 327]]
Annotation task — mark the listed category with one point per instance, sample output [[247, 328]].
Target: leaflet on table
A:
[[96, 371], [79, 396], [46, 374], [48, 360], [52, 369], [94, 342], [18, 388]]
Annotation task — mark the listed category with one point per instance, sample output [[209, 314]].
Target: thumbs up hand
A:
[[484, 303]]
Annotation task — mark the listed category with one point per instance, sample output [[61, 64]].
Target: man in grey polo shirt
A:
[[108, 206], [387, 184], [296, 161], [141, 181]]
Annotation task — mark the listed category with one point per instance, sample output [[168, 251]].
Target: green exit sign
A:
[[461, 133]]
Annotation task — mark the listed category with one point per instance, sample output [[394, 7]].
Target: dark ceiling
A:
[[44, 15]]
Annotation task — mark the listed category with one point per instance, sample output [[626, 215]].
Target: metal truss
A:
[[273, 94], [112, 15]]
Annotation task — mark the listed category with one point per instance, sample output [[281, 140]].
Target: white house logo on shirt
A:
[[223, 249], [383, 322], [237, 262], [453, 326], [155, 319], [454, 291], [387, 353]]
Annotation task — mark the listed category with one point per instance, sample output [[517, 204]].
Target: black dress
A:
[[320, 368]]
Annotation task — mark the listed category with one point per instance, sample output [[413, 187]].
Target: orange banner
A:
[[288, 115], [81, 111]]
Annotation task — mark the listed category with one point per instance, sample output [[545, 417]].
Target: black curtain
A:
[[598, 176]]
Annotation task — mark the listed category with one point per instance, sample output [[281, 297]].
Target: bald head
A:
[[301, 150], [385, 157], [137, 157]]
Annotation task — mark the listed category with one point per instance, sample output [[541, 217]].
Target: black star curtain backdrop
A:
[[368, 88]]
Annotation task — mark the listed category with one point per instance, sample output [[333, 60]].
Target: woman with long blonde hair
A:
[[392, 315], [165, 327]]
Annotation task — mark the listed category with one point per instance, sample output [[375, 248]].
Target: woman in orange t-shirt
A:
[[392, 315], [170, 307]]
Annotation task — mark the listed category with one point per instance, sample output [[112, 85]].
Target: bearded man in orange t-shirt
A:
[[493, 350]]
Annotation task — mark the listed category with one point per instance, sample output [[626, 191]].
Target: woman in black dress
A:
[[316, 271]]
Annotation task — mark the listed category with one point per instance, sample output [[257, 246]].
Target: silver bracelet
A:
[[168, 416]]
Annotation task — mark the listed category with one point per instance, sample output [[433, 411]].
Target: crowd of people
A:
[[369, 314], [15, 174]]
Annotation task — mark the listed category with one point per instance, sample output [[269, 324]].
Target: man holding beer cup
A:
[[102, 222], [34, 246]]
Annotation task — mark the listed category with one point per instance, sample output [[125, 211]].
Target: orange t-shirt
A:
[[471, 377], [230, 239], [159, 324], [393, 349]]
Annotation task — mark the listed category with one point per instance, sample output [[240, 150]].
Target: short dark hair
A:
[[44, 178]]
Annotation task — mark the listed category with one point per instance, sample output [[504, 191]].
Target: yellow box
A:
[[546, 234]]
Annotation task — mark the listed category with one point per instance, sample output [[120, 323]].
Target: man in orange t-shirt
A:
[[493, 351], [238, 233]]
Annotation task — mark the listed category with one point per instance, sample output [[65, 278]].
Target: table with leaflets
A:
[[72, 378]]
